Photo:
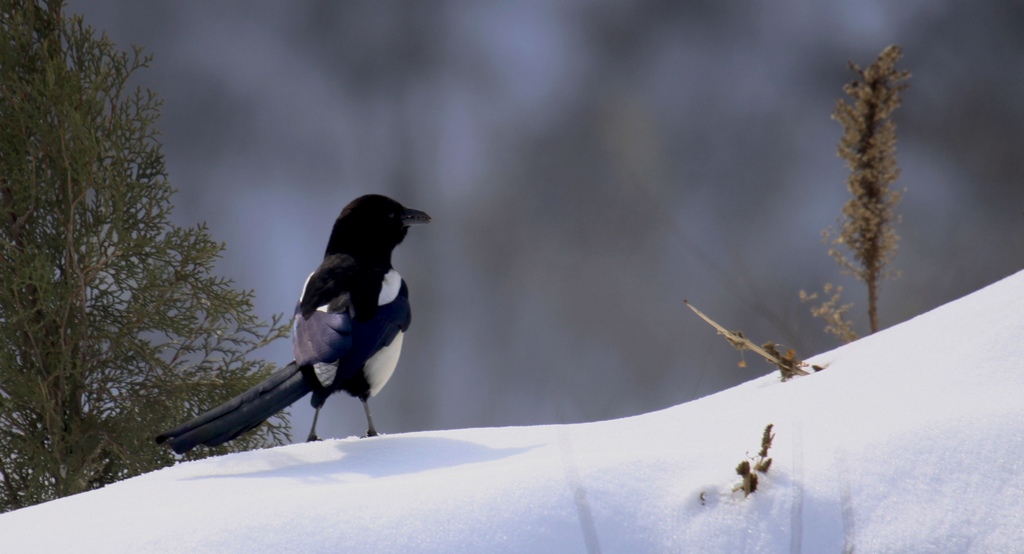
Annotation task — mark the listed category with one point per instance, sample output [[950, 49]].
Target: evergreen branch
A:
[[99, 286]]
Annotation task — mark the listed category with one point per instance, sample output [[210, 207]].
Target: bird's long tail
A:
[[241, 413]]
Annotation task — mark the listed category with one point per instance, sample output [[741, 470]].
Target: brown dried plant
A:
[[789, 365], [867, 240], [761, 463], [833, 312]]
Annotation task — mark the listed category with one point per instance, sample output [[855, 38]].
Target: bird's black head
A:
[[371, 226]]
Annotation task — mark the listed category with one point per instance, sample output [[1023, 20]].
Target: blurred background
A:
[[588, 165]]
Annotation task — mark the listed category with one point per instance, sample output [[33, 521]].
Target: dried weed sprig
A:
[[868, 145], [788, 363], [833, 312], [761, 464]]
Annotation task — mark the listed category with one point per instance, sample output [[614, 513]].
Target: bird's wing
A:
[[371, 335], [322, 332], [329, 288], [323, 337], [336, 296], [340, 283]]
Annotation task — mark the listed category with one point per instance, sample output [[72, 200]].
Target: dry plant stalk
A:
[[748, 472], [788, 363], [834, 313], [868, 145]]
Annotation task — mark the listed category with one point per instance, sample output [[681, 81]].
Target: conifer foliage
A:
[[112, 325]]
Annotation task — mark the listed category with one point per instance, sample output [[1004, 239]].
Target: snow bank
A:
[[910, 441]]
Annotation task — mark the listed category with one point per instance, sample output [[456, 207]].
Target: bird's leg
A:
[[312, 430], [370, 432]]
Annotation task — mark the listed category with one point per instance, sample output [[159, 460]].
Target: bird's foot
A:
[[370, 433], [313, 438]]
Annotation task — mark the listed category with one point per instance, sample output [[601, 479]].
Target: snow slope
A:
[[910, 441]]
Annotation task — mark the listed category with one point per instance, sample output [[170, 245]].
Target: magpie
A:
[[347, 331]]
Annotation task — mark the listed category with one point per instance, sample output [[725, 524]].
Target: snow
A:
[[910, 441]]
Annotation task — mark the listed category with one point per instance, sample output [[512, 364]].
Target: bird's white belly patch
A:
[[380, 366]]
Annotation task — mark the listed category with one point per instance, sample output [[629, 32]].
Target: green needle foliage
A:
[[112, 325]]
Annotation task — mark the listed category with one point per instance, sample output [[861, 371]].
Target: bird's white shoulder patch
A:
[[389, 288], [306, 284]]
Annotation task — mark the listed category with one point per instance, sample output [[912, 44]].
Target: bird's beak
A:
[[414, 217]]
